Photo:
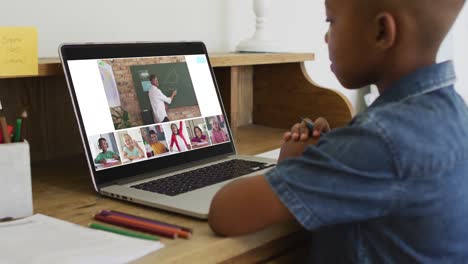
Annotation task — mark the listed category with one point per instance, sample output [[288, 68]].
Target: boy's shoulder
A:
[[441, 112], [423, 132], [424, 102]]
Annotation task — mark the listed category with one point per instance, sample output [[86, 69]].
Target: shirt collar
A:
[[422, 81]]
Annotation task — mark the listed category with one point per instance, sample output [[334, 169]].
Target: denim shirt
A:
[[391, 186]]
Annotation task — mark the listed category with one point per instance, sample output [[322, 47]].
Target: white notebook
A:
[[43, 239]]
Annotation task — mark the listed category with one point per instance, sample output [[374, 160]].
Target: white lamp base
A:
[[254, 45], [262, 40]]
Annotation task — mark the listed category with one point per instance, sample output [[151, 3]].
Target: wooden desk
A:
[[263, 95], [63, 189]]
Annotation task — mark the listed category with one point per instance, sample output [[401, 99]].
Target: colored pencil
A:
[[24, 116], [178, 231], [190, 230], [121, 231], [310, 125], [138, 227], [4, 126], [138, 223], [17, 134]]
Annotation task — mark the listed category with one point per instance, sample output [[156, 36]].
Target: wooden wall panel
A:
[[51, 127], [283, 93], [223, 78], [241, 95]]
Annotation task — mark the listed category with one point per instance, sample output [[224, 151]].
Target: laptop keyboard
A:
[[199, 178]]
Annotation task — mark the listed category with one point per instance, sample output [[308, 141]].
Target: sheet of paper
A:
[[42, 239], [18, 51], [273, 154]]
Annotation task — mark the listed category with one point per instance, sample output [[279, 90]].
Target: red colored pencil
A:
[[147, 220], [135, 226], [177, 231]]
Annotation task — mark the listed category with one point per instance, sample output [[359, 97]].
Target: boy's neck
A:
[[401, 66]]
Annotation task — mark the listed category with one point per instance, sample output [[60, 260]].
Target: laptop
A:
[[153, 125]]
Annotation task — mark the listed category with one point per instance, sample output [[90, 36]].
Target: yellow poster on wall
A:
[[18, 51]]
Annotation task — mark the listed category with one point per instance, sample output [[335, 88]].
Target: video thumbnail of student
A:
[[154, 140], [198, 133], [144, 91], [131, 145], [177, 136], [104, 151], [217, 129]]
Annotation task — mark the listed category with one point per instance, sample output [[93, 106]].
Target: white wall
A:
[[460, 52], [61, 21], [455, 48], [297, 25]]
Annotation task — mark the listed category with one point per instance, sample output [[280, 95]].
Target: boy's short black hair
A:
[[151, 132], [152, 76], [433, 19], [99, 141]]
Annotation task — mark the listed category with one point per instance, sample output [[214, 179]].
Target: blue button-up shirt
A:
[[392, 186]]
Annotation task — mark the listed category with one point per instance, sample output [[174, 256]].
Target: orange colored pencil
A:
[[177, 231], [144, 219]]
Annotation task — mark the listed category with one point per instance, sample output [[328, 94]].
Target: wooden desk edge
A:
[[53, 67], [260, 246]]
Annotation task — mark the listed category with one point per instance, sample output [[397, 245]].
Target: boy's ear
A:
[[385, 36]]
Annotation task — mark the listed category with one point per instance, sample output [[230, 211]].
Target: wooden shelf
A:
[[53, 67], [246, 59]]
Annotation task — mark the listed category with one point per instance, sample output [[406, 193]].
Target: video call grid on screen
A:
[[117, 112]]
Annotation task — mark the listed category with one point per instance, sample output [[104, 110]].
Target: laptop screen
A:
[[145, 109]]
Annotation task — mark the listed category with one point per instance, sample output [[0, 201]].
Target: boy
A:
[[106, 153], [391, 186], [158, 147]]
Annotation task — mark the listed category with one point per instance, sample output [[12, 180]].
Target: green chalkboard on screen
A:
[[171, 76]]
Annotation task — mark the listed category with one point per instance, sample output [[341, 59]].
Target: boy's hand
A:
[[292, 148], [320, 126], [300, 131]]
